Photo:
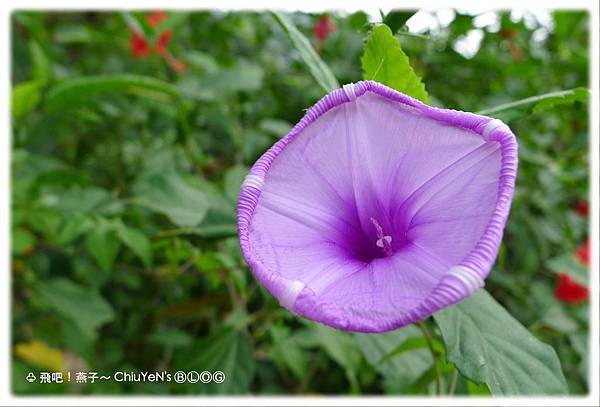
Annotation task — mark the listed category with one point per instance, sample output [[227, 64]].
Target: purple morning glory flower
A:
[[376, 210]]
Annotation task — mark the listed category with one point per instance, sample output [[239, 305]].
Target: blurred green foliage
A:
[[125, 174]]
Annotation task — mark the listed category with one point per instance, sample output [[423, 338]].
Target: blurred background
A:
[[131, 133]]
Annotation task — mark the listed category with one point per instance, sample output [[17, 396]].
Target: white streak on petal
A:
[[253, 181], [467, 276], [491, 126], [349, 89], [292, 290]]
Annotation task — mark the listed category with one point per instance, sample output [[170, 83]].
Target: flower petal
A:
[[377, 210]]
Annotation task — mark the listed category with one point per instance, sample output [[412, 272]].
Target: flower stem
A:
[[453, 382], [434, 355]]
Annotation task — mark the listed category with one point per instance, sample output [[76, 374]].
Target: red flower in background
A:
[[583, 253], [163, 40], [582, 208], [323, 28], [139, 46], [155, 18], [516, 52], [570, 291]]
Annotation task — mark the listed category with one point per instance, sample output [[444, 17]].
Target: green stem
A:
[[524, 102], [434, 355], [453, 382], [174, 232]]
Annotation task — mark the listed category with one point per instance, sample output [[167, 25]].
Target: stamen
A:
[[383, 241]]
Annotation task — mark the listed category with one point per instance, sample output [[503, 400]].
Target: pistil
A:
[[384, 242]]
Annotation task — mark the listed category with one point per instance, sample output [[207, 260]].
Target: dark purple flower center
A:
[[375, 238]]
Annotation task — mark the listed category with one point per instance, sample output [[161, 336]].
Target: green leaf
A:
[[72, 91], [287, 352], [385, 62], [102, 243], [556, 318], [201, 61], [171, 337], [75, 227], [174, 21], [319, 70], [139, 26], [227, 350], [243, 78], [182, 202], [212, 231], [403, 368], [275, 127], [22, 241], [233, 181], [339, 345], [569, 264], [547, 101], [25, 98], [137, 241], [489, 346], [81, 305], [475, 389], [87, 200], [72, 33], [397, 18], [567, 97], [42, 67], [417, 342]]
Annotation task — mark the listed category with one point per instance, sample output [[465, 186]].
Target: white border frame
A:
[[7, 398]]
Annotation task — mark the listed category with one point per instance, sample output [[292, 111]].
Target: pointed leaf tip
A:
[[385, 62]]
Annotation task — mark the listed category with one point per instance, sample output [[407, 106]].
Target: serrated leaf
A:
[[182, 202], [137, 241], [319, 70], [83, 306], [385, 62], [489, 346]]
